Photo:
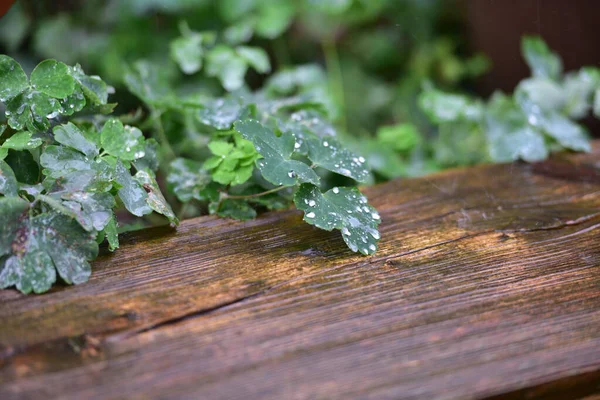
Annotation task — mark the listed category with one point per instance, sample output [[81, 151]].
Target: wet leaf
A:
[[13, 79], [155, 198], [53, 79]]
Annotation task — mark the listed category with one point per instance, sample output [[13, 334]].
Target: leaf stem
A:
[[249, 196], [336, 79], [160, 131]]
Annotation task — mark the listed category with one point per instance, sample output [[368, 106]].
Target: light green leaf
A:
[[187, 52], [541, 60], [220, 148], [445, 107], [274, 17], [132, 194], [566, 132], [521, 144], [224, 63], [155, 198], [70, 135], [345, 209], [149, 83], [13, 79], [256, 57], [124, 142], [277, 165], [53, 79], [22, 141]]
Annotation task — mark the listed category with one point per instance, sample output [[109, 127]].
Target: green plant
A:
[[64, 165]]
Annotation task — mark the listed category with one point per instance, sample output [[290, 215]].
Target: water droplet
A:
[[361, 159], [372, 247], [311, 203], [375, 216], [292, 174], [375, 235], [310, 215], [325, 144], [128, 149], [336, 190], [345, 231], [296, 145]]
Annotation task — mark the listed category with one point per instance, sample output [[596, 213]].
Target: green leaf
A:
[[59, 160], [542, 62], [12, 210], [124, 142], [224, 63], [94, 88], [234, 208], [345, 209], [524, 144], [8, 181], [150, 158], [277, 165], [187, 179], [256, 57], [53, 79], [132, 194], [274, 17], [240, 32], [401, 137], [39, 245], [444, 107], [13, 79], [596, 106], [149, 83], [220, 148], [32, 109], [70, 135], [92, 211], [328, 153], [155, 198], [187, 52], [222, 113], [566, 132], [112, 234], [22, 141]]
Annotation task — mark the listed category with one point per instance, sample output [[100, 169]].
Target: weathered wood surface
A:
[[486, 285]]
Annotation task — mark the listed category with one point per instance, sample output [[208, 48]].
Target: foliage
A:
[[539, 117], [61, 175]]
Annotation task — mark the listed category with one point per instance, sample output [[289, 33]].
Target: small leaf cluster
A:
[[64, 169], [538, 118]]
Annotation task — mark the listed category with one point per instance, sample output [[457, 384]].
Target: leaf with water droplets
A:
[[132, 194], [124, 142], [53, 79], [342, 208], [112, 234], [31, 110], [13, 79], [91, 210], [328, 153], [94, 88], [187, 179], [150, 158], [155, 198], [446, 107], [8, 181], [70, 135], [22, 141], [222, 113], [277, 165], [41, 245]]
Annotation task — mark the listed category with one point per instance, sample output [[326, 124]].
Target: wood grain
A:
[[486, 285]]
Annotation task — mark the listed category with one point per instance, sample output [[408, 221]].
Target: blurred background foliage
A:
[[372, 56]]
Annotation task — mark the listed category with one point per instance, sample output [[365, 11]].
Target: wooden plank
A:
[[486, 284]]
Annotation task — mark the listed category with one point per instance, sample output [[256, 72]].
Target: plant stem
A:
[[249, 196], [160, 131], [336, 79]]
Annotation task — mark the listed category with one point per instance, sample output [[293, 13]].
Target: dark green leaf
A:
[[8, 181], [234, 208], [112, 234], [94, 89], [70, 135], [155, 198], [24, 166], [328, 153], [132, 194], [186, 179], [277, 165]]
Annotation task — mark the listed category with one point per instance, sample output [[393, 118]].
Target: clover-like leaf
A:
[[24, 165], [112, 233], [541, 60], [91, 210], [94, 88], [32, 109], [342, 208], [445, 107], [566, 132], [187, 52], [155, 198], [13, 79], [124, 142], [53, 79], [148, 83], [70, 135], [328, 153], [256, 57], [40, 244], [277, 165], [225, 64], [22, 141]]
